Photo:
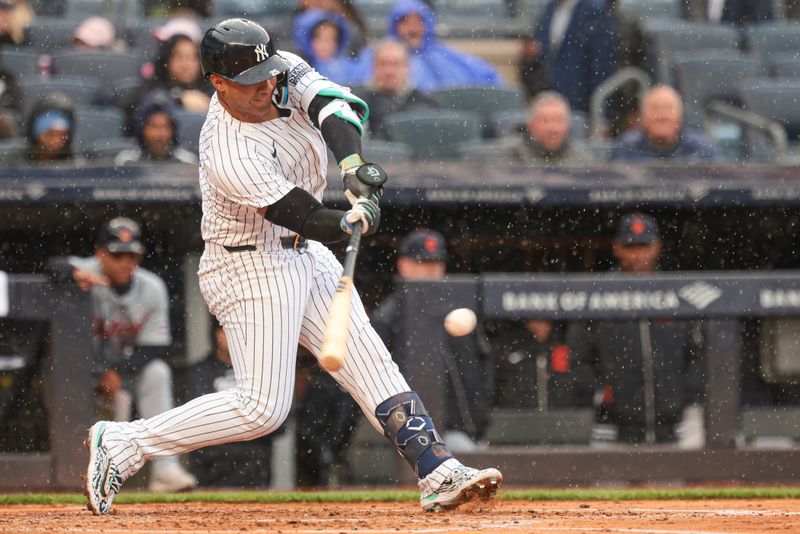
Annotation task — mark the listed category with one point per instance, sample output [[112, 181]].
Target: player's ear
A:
[[217, 82]]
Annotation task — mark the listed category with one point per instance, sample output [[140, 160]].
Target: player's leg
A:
[[153, 388], [260, 306], [374, 380]]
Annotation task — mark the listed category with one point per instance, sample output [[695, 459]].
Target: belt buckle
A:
[[300, 243]]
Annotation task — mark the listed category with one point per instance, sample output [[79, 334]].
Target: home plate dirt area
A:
[[658, 517]]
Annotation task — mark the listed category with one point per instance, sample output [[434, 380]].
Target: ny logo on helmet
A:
[[261, 52]]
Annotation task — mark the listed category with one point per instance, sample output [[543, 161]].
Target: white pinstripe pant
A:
[[267, 302]]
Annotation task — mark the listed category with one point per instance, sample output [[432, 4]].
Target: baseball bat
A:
[[334, 345]]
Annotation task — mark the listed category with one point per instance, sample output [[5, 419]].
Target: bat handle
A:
[[351, 252]]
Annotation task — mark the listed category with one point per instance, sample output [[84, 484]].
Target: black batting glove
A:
[[364, 181]]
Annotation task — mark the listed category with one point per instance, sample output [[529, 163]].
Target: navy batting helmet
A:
[[242, 51]]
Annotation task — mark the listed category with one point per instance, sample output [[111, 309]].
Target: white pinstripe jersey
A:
[[246, 166]]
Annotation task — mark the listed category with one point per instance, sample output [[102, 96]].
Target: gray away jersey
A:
[[139, 318], [246, 166]]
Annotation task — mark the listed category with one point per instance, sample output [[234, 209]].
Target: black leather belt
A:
[[291, 242], [294, 242]]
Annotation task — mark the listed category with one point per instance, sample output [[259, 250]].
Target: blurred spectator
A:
[[630, 50], [323, 38], [643, 372], [178, 26], [156, 130], [466, 359], [50, 129], [532, 368], [356, 25], [389, 89], [434, 65], [532, 72], [132, 332], [326, 419], [191, 9], [9, 103], [546, 141], [15, 15], [576, 47], [739, 12], [246, 463], [176, 70], [94, 33], [662, 134]]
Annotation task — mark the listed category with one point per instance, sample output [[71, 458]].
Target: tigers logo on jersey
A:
[[261, 52]]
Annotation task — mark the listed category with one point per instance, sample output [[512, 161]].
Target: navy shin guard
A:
[[410, 429]]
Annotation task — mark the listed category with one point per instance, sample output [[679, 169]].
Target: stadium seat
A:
[[106, 66], [433, 134], [189, 126], [20, 62], [113, 9], [107, 149], [81, 91], [125, 90], [666, 40], [12, 148], [711, 75], [652, 9], [508, 122], [93, 124], [784, 66], [138, 36], [766, 39], [386, 151], [487, 101], [50, 33], [777, 100], [252, 8]]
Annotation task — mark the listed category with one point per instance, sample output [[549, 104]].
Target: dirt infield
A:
[[656, 517]]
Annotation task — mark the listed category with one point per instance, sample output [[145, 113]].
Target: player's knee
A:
[[264, 414]]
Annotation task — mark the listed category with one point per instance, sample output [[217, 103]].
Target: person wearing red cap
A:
[[643, 373], [423, 256]]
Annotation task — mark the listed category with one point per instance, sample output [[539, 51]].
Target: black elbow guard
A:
[[301, 213]]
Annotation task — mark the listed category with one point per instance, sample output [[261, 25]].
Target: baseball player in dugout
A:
[[647, 373], [131, 328], [466, 360], [268, 277]]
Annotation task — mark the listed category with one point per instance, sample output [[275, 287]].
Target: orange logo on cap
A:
[[637, 227], [125, 235], [430, 244]]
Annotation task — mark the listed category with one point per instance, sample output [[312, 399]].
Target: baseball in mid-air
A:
[[460, 322]]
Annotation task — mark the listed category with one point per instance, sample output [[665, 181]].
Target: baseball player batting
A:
[[269, 279]]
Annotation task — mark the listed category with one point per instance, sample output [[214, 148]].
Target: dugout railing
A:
[[721, 299], [67, 383]]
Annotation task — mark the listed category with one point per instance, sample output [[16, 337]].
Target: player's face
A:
[[184, 62], [411, 269], [637, 258], [390, 70], [157, 134], [118, 267], [411, 29], [550, 125], [248, 103]]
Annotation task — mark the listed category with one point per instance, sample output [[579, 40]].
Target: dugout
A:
[[497, 219]]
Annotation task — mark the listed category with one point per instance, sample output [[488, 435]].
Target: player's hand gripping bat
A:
[[334, 345]]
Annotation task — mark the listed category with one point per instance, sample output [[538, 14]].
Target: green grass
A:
[[592, 494]]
